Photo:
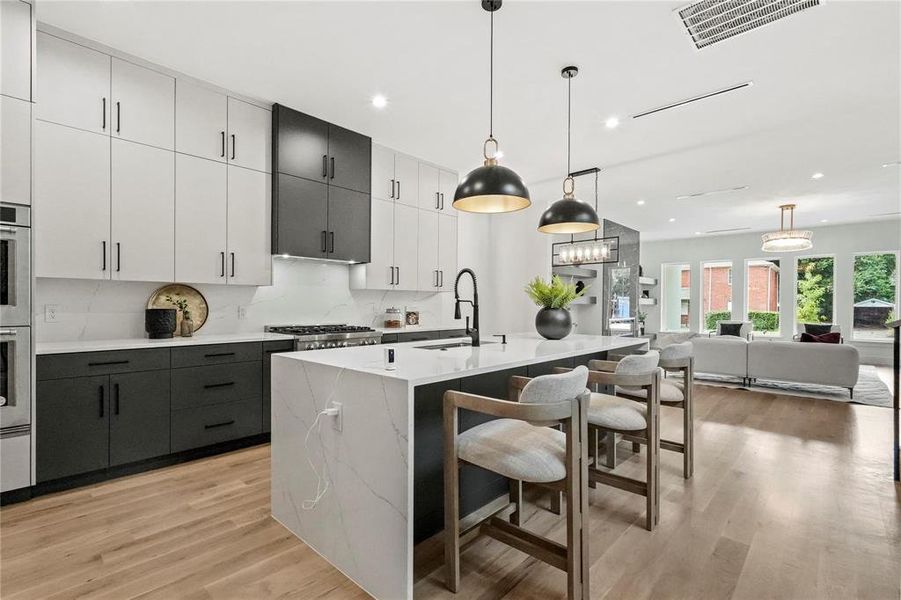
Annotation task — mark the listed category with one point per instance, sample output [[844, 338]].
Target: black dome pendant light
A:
[[491, 188], [569, 215]]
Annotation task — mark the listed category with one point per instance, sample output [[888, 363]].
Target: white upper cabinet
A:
[[72, 189], [406, 175], [378, 273], [143, 213], [201, 121], [447, 187], [143, 105], [447, 251], [383, 185], [406, 226], [73, 85], [429, 196], [15, 150], [428, 251], [200, 219], [249, 260], [15, 49], [249, 142]]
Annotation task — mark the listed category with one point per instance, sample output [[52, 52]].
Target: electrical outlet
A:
[[242, 312], [338, 420], [51, 312]]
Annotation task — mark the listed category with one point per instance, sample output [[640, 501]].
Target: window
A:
[[762, 278], [716, 283], [875, 295], [676, 297], [815, 300]]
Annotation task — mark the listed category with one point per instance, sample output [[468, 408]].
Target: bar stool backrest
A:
[[638, 364], [547, 389]]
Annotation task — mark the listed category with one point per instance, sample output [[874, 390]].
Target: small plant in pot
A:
[[187, 324], [553, 321]]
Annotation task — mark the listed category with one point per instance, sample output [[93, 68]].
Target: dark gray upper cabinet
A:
[[139, 416], [348, 213], [350, 159], [300, 217], [301, 144], [321, 188]]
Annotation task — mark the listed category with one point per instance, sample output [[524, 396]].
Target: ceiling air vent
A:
[[728, 230], [711, 21]]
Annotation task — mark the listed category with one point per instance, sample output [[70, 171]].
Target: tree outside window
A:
[[875, 295], [815, 293]]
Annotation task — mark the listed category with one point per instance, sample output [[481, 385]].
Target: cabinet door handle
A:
[[398, 190], [442, 200], [392, 188], [218, 354], [222, 154], [438, 200], [103, 249], [222, 263], [118, 117], [234, 145], [324, 247], [333, 168], [102, 401], [391, 275], [233, 263], [223, 424], [103, 126], [108, 363], [435, 273], [397, 282], [440, 278], [211, 386], [118, 257], [116, 394], [331, 247], [325, 165]]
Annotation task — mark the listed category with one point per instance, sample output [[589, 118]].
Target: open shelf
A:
[[585, 300], [647, 301], [648, 281], [578, 272]]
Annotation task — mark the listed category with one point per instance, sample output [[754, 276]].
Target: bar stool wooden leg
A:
[[688, 442], [516, 498], [557, 503], [636, 447], [611, 450], [652, 514], [451, 502]]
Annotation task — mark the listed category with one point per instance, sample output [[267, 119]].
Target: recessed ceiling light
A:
[[672, 219], [816, 176], [379, 101], [824, 220], [611, 122], [697, 233], [640, 203], [896, 163]]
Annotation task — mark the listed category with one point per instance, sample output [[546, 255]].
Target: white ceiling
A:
[[826, 94]]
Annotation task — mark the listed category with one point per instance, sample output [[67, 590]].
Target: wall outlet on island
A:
[[242, 312], [51, 312]]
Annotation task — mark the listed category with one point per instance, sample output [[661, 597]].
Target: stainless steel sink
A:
[[449, 345]]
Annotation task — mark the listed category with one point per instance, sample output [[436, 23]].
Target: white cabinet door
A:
[[143, 108], [406, 226], [428, 251], [200, 220], [447, 187], [447, 252], [428, 187], [383, 185], [15, 150], [73, 85], [72, 187], [249, 260], [249, 136], [378, 271], [201, 121], [406, 175], [143, 212], [15, 49]]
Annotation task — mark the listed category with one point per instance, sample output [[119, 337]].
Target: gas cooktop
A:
[[315, 337]]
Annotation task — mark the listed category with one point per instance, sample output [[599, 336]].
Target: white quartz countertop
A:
[[418, 328], [420, 366], [141, 343]]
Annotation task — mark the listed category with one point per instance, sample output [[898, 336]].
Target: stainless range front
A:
[[316, 337]]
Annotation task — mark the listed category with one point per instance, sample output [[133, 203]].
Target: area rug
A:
[[869, 389]]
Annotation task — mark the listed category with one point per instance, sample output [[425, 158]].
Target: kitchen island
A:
[[382, 455]]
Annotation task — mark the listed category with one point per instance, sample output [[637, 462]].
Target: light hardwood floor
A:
[[792, 498]]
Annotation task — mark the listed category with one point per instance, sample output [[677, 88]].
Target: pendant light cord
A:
[[491, 82], [569, 118]]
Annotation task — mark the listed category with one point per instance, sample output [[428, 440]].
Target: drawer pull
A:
[[108, 362], [218, 385], [223, 424], [216, 354]]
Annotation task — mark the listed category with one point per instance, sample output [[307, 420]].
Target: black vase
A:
[[159, 323], [553, 323]]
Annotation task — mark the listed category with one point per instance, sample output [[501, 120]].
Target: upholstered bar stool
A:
[[675, 358], [610, 415], [523, 446]]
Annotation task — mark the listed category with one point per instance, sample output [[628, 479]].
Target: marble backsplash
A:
[[303, 292]]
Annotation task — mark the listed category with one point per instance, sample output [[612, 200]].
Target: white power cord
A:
[[322, 483]]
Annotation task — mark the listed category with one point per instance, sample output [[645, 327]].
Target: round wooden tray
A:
[[200, 310]]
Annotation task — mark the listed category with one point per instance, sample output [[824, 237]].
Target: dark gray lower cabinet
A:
[[72, 424], [207, 425], [139, 416]]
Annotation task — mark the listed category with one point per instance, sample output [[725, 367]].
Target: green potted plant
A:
[[187, 324], [641, 319], [553, 321]]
